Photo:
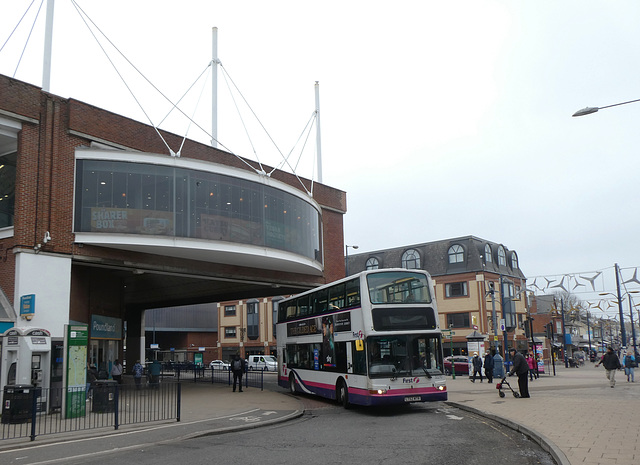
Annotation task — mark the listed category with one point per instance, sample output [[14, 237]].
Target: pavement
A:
[[574, 415]]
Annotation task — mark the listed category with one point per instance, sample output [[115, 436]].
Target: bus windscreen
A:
[[398, 287]]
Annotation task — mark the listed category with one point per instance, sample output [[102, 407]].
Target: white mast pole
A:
[[318, 139], [214, 89], [48, 39]]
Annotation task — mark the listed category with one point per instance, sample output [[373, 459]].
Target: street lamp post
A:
[[623, 333], [346, 257], [589, 110], [619, 297], [633, 329]]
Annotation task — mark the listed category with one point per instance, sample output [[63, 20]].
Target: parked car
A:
[[262, 362], [461, 362], [219, 365]]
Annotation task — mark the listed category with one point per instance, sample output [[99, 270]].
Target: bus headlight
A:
[[379, 392]]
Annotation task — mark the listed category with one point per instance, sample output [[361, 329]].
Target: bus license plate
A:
[[413, 399]]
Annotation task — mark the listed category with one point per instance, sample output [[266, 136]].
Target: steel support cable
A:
[[28, 37], [266, 132], [144, 77], [82, 16], [20, 22], [207, 68], [158, 90], [307, 128], [195, 108], [227, 78], [261, 171]]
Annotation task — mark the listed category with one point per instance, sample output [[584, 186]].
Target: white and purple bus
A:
[[369, 339]]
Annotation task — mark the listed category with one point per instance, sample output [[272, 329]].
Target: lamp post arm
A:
[[589, 110]]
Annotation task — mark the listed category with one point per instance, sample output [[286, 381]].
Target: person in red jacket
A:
[[531, 362]]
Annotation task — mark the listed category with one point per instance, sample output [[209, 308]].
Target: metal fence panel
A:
[[105, 405]]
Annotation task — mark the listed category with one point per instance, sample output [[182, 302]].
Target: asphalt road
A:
[[325, 434]]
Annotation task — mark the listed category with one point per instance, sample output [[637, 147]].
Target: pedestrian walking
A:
[[138, 371], [611, 363], [629, 366], [520, 368], [238, 367], [531, 363], [488, 365], [476, 361], [116, 371]]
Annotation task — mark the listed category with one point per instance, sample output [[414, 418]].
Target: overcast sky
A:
[[439, 119]]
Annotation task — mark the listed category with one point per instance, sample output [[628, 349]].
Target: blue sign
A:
[[105, 327], [27, 304]]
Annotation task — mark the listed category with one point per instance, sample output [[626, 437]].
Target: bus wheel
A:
[[342, 394], [292, 384]]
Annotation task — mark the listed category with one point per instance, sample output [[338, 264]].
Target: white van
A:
[[262, 362]]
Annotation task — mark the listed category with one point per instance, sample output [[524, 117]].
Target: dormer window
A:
[[502, 256], [411, 259], [372, 264], [456, 254], [488, 258], [514, 261]]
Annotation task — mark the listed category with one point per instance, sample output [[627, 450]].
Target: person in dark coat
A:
[[488, 365], [477, 366], [611, 363], [521, 368], [238, 367]]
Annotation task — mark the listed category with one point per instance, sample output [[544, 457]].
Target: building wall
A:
[[75, 280], [266, 342], [476, 272]]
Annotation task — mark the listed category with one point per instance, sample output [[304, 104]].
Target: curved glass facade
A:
[[138, 198]]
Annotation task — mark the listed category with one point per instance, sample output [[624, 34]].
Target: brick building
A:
[[101, 220], [464, 270]]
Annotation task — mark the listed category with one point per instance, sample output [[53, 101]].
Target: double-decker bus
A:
[[369, 339]]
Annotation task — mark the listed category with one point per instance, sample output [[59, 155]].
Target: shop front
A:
[[105, 343]]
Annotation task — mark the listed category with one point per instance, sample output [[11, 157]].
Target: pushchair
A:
[[504, 383]]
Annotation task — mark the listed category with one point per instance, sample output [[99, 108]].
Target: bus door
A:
[[357, 359]]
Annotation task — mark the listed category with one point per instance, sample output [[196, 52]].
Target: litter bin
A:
[[17, 403], [104, 396]]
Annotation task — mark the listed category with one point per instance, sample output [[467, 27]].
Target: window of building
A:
[[458, 320], [514, 261], [502, 256], [118, 197], [253, 320], [411, 259], [275, 305], [488, 258], [517, 293], [8, 162], [372, 264], [230, 332], [229, 310], [456, 254], [456, 289]]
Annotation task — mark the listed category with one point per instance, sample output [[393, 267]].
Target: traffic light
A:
[[549, 329]]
